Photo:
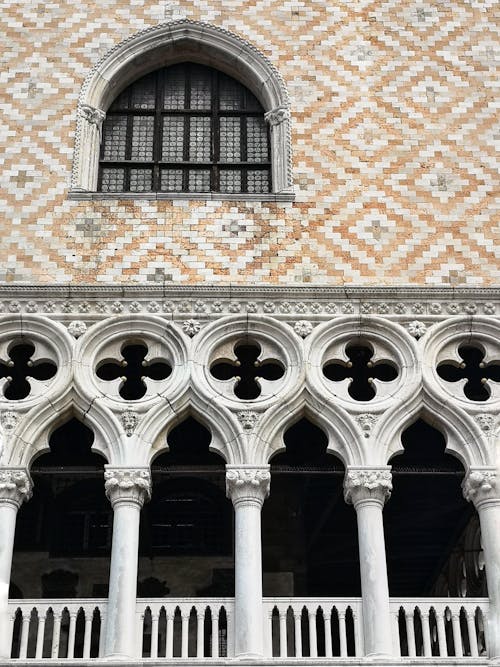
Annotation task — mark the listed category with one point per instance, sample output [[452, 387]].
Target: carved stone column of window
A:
[[279, 123], [368, 489], [15, 488], [482, 487], [248, 486], [127, 490], [87, 149]]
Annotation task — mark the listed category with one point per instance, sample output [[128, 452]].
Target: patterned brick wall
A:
[[393, 123]]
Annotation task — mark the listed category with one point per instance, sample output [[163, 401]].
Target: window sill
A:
[[76, 195]]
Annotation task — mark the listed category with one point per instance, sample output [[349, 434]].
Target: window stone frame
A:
[[168, 44]]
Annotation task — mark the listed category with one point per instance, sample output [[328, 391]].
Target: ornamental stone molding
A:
[[480, 486], [130, 485], [9, 420], [92, 115], [248, 483], [486, 422], [129, 420], [77, 328], [371, 483], [248, 419], [367, 421], [16, 486]]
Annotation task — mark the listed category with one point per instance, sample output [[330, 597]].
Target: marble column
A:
[[15, 488], [127, 489], [368, 489], [482, 487], [248, 486]]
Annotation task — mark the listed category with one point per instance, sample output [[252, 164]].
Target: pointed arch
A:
[[171, 43]]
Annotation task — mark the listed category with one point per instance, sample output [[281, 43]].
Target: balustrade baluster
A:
[[396, 633], [471, 628], [56, 634], [426, 634], [200, 634], [410, 633], [441, 632], [170, 634], [215, 633], [358, 642], [40, 635], [155, 617], [87, 633], [282, 619], [313, 640], [184, 634], [297, 619], [342, 634], [102, 634], [457, 634], [25, 631], [328, 634], [230, 634], [72, 634]]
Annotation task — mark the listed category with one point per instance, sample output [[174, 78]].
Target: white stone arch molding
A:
[[105, 343], [52, 343], [442, 345], [278, 344], [222, 424], [463, 436], [389, 342], [32, 435], [344, 440], [170, 43]]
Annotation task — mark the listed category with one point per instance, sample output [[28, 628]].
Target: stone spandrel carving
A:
[[128, 484], [248, 483], [248, 419], [92, 115], [129, 420], [15, 486], [367, 484], [480, 485]]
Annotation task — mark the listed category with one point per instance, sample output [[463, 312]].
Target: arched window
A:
[[185, 128]]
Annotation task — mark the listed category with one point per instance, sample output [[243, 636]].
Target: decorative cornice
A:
[[481, 486], [361, 484], [247, 484], [15, 486], [130, 485]]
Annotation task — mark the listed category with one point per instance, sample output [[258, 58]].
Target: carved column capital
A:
[[92, 115], [129, 485], [362, 483], [16, 486], [277, 116], [247, 483], [481, 486]]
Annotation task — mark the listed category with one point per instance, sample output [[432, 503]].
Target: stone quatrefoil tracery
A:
[[474, 370], [247, 370], [361, 371], [132, 369], [20, 367]]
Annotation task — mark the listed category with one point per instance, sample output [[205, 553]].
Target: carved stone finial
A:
[[277, 116], [485, 422], [367, 484], [15, 486], [367, 422], [248, 484], [481, 485], [129, 420], [127, 485], [92, 115], [248, 419], [77, 328]]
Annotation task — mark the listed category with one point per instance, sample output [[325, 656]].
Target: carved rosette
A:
[[367, 484], [16, 486], [481, 486], [248, 484], [131, 485]]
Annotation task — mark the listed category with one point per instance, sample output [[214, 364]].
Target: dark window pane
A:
[[258, 180], [173, 95], [142, 138], [173, 139], [200, 139], [171, 180], [199, 180], [257, 149], [114, 137], [230, 139], [144, 93], [201, 88], [230, 180], [112, 179], [141, 180], [230, 92]]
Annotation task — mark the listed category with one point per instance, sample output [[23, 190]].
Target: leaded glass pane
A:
[[258, 180], [141, 180], [171, 180], [173, 94], [199, 180], [142, 138], [143, 93], [173, 139], [257, 148], [112, 179], [114, 137], [201, 88], [121, 102], [200, 139], [230, 94], [230, 180], [230, 139]]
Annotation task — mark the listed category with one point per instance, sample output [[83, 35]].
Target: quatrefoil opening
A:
[[133, 369], [247, 370], [360, 370], [20, 367], [473, 369]]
